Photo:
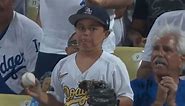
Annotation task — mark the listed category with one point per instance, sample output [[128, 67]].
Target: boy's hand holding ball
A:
[[28, 79]]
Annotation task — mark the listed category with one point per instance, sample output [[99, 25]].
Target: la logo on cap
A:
[[107, 22], [88, 11]]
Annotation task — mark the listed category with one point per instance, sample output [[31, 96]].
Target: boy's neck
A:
[[92, 54]]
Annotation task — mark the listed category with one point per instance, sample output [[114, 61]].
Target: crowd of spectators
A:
[[76, 31]]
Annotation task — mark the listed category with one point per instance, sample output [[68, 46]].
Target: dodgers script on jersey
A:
[[18, 52], [66, 77]]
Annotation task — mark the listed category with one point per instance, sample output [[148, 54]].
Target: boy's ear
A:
[[67, 50]]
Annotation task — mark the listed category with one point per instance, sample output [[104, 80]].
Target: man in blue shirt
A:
[[164, 88]]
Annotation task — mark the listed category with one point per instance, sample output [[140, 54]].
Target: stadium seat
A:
[[131, 56], [32, 9], [14, 100]]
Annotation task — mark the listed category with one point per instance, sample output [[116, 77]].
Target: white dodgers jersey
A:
[[18, 52]]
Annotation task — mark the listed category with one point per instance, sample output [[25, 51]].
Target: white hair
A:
[[174, 31]]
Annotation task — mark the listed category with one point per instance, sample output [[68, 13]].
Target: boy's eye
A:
[[81, 28], [92, 28]]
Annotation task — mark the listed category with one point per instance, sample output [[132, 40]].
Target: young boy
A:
[[89, 63]]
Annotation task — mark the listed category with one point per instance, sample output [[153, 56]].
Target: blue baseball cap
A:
[[91, 12]]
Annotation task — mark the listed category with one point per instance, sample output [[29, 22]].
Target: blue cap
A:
[[91, 12]]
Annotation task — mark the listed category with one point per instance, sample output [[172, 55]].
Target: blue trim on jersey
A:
[[13, 73], [82, 3], [3, 32], [4, 88]]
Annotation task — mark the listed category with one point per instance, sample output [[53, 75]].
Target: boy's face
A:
[[4, 4], [5, 7], [90, 34]]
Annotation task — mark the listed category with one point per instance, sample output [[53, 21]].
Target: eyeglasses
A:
[[72, 43]]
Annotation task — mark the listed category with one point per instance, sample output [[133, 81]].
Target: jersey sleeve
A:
[[31, 43], [57, 89], [121, 81]]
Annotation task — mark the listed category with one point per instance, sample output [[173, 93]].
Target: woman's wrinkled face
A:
[[165, 59]]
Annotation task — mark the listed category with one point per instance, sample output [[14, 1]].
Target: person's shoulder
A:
[[23, 19], [110, 57], [181, 88], [138, 81], [27, 24], [63, 61], [143, 82], [27, 28], [182, 82], [170, 18], [67, 59], [172, 14]]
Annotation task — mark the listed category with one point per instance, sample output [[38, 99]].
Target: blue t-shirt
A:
[[145, 91]]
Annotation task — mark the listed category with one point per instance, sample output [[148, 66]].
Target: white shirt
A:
[[18, 51], [109, 68], [176, 18]]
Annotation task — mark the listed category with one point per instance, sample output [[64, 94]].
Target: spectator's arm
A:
[[138, 25], [111, 3], [120, 12], [136, 38], [139, 17]]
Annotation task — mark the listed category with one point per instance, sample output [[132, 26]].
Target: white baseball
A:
[[28, 79]]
